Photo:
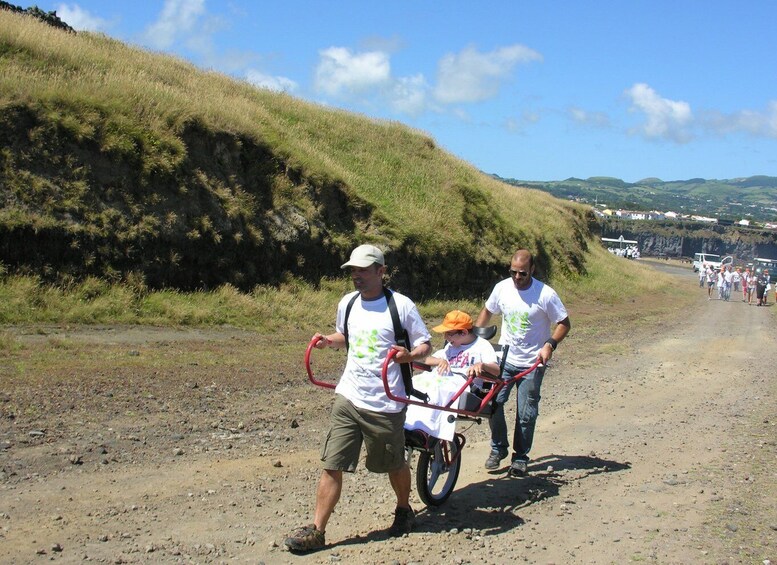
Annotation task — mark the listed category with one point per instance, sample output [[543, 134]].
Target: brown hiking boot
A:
[[307, 538], [404, 520]]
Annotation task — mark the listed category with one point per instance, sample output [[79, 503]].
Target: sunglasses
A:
[[518, 273]]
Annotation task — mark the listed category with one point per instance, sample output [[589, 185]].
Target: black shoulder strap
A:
[[345, 320], [403, 339]]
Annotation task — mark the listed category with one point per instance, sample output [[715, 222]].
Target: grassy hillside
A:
[[128, 165]]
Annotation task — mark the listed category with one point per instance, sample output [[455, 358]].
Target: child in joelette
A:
[[464, 353], [464, 350]]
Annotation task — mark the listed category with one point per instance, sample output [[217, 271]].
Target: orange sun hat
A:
[[454, 320]]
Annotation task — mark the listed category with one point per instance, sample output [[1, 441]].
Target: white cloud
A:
[[277, 83], [462, 114], [759, 124], [664, 118], [178, 18], [186, 23], [587, 118], [409, 95], [341, 72], [471, 76], [520, 125], [79, 19], [674, 120]]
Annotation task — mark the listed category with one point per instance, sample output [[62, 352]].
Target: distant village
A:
[[656, 215]]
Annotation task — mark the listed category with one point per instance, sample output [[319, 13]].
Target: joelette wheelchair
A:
[[439, 460]]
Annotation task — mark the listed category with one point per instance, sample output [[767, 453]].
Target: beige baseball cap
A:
[[364, 256]]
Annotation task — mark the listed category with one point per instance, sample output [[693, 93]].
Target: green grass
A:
[[26, 300], [292, 305], [8, 343]]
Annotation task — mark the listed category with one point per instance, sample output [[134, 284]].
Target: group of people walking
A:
[[723, 282], [534, 322]]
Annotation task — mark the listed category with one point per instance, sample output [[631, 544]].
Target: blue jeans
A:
[[726, 291], [528, 403]]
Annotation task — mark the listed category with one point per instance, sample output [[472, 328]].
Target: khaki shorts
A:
[[382, 433]]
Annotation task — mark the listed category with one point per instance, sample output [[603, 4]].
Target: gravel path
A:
[[657, 445]]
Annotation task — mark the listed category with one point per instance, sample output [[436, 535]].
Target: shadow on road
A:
[[491, 506]]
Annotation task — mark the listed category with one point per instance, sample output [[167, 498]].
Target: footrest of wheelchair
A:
[[470, 402]]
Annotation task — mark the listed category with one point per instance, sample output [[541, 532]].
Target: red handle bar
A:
[[498, 383], [313, 379]]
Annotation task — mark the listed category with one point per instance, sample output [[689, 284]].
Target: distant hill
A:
[[753, 198]]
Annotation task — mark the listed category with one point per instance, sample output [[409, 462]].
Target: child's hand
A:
[[443, 367]]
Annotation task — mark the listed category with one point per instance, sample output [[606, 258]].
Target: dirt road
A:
[[657, 444]]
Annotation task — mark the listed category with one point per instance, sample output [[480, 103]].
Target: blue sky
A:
[[526, 90]]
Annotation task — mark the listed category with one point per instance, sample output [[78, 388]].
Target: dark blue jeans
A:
[[528, 402]]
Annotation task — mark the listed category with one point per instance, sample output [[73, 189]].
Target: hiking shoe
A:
[[307, 538], [518, 468], [494, 459], [404, 520]]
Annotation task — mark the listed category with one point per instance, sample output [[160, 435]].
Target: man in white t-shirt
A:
[[728, 279], [736, 279], [362, 413], [711, 278], [534, 322]]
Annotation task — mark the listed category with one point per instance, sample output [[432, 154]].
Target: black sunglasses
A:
[[520, 273]]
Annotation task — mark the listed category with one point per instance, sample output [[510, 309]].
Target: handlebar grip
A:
[[313, 379]]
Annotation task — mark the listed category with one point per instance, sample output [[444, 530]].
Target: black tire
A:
[[438, 471]]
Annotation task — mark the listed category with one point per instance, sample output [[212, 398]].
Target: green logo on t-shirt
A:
[[518, 323], [364, 345]]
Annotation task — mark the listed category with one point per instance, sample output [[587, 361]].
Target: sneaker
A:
[[518, 468], [494, 458], [307, 538], [404, 520]]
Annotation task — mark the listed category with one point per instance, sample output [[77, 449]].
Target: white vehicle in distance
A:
[[710, 259], [759, 264]]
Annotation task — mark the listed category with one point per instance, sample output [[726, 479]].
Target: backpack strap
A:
[[403, 339], [345, 319]]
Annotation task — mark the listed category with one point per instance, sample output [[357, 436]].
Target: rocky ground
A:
[[657, 443]]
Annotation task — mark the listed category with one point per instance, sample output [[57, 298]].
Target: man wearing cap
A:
[[529, 310], [362, 412]]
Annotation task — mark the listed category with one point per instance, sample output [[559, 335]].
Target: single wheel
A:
[[438, 470]]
